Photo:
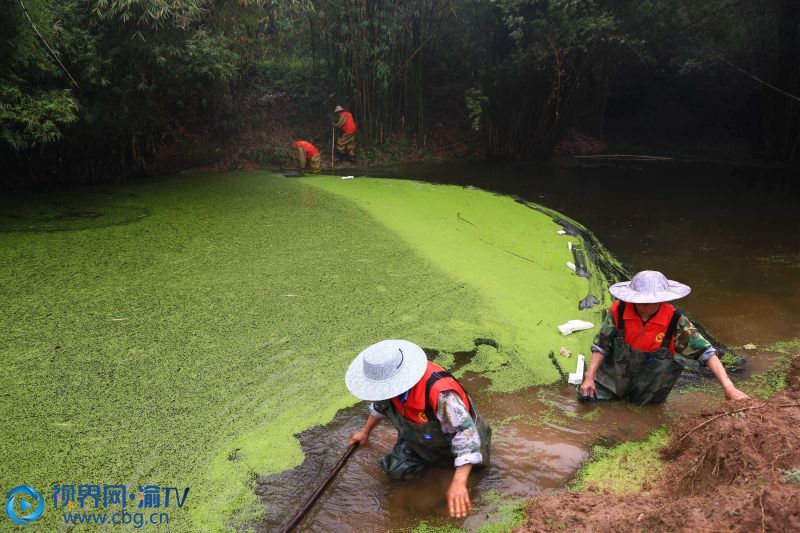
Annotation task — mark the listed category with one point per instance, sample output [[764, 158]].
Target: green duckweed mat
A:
[[203, 320]]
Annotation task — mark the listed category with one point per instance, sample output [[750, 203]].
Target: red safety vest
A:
[[421, 409], [645, 336], [349, 125], [310, 149]]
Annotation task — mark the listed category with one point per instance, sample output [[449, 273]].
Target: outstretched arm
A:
[[731, 392], [465, 445], [690, 343]]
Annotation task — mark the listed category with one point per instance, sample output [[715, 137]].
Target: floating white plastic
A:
[[574, 325], [576, 378]]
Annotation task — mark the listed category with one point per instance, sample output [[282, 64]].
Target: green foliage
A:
[[475, 101], [33, 117], [522, 72]]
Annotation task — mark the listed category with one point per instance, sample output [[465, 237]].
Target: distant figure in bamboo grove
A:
[[346, 144], [436, 421], [307, 153], [633, 356]]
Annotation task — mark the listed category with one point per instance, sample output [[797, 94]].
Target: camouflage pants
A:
[[636, 376], [346, 144]]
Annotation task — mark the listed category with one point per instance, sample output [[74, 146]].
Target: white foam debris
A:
[[574, 325]]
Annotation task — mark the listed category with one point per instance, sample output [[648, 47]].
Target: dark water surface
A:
[[732, 233]]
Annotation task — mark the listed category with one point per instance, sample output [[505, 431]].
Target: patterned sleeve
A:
[[601, 340], [378, 409], [456, 421], [690, 344]]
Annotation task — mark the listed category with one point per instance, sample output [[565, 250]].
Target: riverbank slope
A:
[[735, 468]]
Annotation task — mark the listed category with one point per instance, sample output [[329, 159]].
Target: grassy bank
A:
[[180, 331]]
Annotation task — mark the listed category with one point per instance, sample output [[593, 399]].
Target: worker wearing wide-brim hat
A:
[[633, 356], [436, 421], [346, 143]]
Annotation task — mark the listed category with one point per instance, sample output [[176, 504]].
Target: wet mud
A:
[[734, 468]]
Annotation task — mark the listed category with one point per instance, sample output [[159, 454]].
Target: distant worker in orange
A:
[[308, 153], [346, 144]]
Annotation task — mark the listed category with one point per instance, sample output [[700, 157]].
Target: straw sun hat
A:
[[338, 108], [649, 287], [386, 369]]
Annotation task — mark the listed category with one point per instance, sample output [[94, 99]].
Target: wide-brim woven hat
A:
[[338, 108], [386, 369], [649, 287]]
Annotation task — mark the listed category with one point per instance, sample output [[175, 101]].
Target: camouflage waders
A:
[[420, 445], [346, 144], [636, 376]]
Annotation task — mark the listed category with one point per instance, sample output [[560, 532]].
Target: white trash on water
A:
[[347, 177], [571, 265], [574, 325], [561, 232], [576, 378]]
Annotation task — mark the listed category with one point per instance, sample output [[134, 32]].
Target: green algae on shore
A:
[[773, 380], [190, 346], [624, 468]]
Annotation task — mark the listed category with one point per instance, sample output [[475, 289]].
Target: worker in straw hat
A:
[[633, 356], [346, 143], [436, 421]]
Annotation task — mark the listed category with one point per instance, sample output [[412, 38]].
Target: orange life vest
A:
[[420, 406], [310, 149], [349, 125], [647, 336]]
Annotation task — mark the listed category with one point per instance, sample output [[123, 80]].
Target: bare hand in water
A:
[[458, 500], [361, 437], [587, 388]]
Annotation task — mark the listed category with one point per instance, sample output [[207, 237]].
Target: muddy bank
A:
[[734, 468]]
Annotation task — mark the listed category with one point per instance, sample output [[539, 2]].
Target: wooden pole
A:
[[333, 139], [322, 486]]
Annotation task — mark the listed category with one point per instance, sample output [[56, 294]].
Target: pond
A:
[[181, 323], [731, 233]]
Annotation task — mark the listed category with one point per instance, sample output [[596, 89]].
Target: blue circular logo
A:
[[24, 493]]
